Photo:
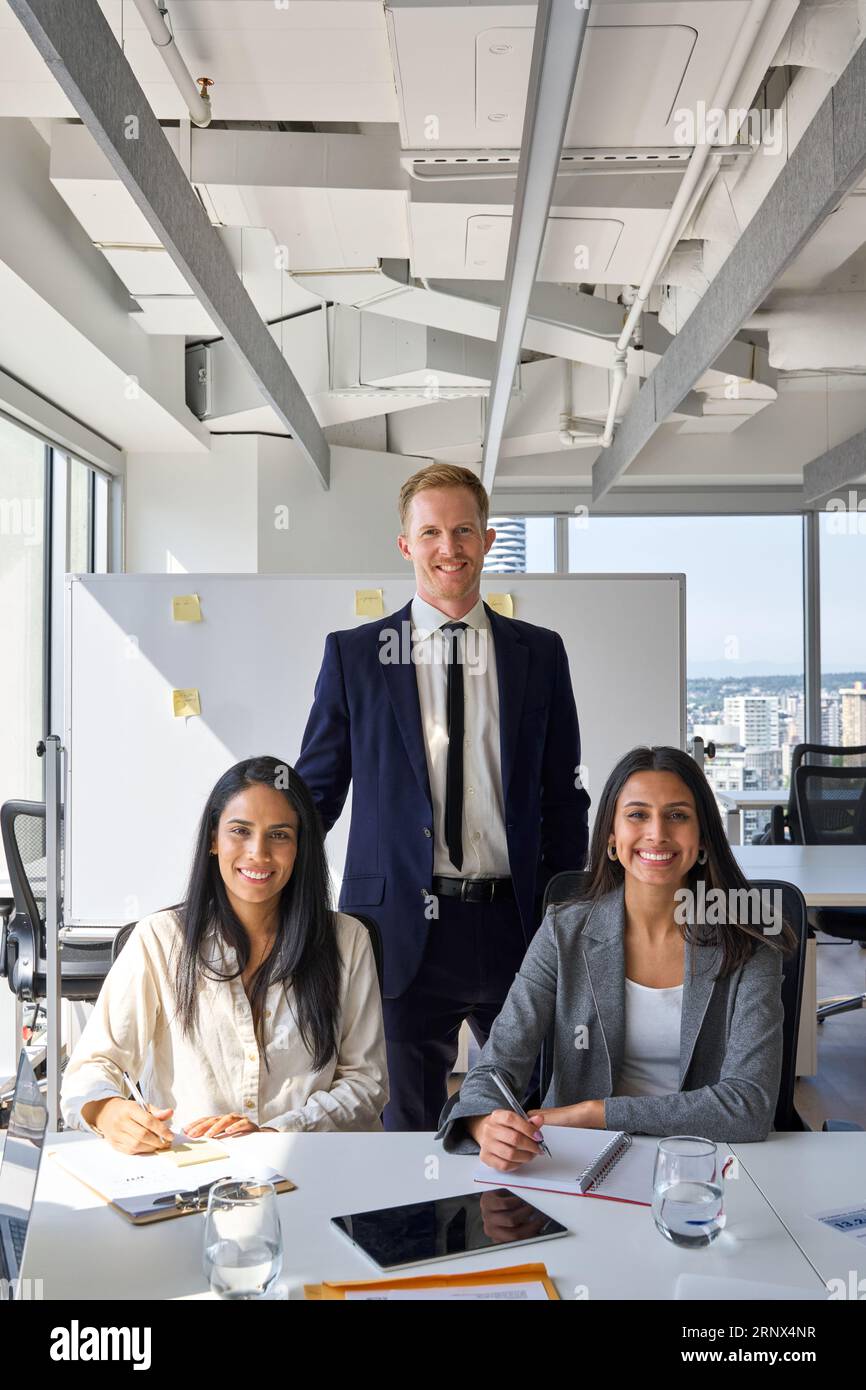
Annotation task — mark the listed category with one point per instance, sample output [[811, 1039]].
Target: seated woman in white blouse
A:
[[251, 1005], [659, 994]]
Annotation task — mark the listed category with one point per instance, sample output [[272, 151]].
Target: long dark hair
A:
[[737, 939], [305, 951]]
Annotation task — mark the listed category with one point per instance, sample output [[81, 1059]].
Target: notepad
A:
[[185, 1152], [586, 1163]]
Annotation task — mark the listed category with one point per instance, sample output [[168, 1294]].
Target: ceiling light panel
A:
[[468, 67]]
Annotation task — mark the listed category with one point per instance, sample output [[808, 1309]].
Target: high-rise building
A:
[[853, 713], [757, 717], [507, 555], [831, 720]]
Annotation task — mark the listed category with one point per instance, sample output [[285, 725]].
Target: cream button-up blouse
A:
[[217, 1068]]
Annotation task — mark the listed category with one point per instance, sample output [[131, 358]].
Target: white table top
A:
[[793, 1173], [751, 800], [827, 875], [83, 1249]]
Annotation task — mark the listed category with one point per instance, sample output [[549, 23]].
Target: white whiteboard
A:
[[137, 777]]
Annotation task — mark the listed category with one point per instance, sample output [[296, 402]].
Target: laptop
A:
[[19, 1171]]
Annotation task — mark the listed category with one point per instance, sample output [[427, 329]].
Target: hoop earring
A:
[[702, 856], [611, 852]]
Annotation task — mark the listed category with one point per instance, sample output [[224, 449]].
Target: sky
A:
[[743, 583]]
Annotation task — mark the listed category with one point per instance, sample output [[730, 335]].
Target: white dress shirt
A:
[[651, 1056], [217, 1069], [485, 850]]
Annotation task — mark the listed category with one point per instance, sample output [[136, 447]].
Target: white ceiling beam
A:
[[560, 26]]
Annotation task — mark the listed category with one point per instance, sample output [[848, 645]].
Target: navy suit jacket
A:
[[365, 728]]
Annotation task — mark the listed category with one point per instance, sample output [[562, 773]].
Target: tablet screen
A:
[[394, 1237]]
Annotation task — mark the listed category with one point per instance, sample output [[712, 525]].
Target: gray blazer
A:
[[574, 974]]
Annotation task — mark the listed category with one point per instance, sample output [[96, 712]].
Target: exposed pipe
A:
[[155, 16], [683, 204]]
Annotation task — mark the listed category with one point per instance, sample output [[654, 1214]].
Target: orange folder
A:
[[514, 1274]]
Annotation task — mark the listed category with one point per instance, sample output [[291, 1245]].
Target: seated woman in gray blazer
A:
[[663, 1019]]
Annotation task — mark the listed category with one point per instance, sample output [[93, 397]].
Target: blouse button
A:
[[252, 1056], [249, 1104]]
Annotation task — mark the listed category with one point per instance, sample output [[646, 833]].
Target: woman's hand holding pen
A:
[[129, 1127], [506, 1140]]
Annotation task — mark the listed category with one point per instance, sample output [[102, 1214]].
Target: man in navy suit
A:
[[458, 730]]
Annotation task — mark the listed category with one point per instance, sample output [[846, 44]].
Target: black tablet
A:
[[495, 1219]]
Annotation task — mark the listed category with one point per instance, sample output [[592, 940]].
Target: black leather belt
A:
[[474, 890]]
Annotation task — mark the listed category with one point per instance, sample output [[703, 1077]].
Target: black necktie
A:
[[454, 767]]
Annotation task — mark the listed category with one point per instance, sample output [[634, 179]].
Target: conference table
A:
[[83, 1249]]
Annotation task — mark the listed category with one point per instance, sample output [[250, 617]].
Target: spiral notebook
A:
[[586, 1163]]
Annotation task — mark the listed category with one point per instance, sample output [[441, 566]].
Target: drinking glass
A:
[[688, 1206], [243, 1246]]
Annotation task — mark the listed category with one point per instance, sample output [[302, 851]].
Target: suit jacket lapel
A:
[[512, 664], [401, 683], [701, 966], [604, 953]]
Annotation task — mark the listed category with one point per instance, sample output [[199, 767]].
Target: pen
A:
[[515, 1104], [136, 1095]]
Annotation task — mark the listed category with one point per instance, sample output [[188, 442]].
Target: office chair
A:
[[831, 807], [83, 965], [569, 887], [376, 943], [784, 827]]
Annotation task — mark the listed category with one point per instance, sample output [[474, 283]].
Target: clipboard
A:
[[144, 1208], [512, 1274]]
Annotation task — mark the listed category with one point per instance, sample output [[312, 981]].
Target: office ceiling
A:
[[361, 169]]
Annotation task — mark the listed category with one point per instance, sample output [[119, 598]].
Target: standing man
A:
[[458, 729]]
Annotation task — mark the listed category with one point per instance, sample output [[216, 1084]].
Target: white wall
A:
[[350, 528], [187, 512]]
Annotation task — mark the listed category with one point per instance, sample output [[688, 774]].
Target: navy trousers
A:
[[473, 952]]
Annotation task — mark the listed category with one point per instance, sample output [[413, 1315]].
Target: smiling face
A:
[[655, 829], [256, 842], [446, 544]]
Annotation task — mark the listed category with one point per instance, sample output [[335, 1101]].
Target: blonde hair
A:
[[443, 475]]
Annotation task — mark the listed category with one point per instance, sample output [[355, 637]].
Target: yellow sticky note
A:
[[501, 603], [186, 608], [186, 702], [368, 603], [190, 1151]]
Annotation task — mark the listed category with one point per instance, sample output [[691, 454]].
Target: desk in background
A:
[[81, 1249], [827, 876], [736, 803]]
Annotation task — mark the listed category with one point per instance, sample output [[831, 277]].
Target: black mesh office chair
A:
[[83, 965], [570, 887], [784, 827], [831, 807]]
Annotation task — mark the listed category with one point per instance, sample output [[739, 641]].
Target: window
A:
[[53, 520], [744, 616], [523, 545], [842, 541], [23, 478]]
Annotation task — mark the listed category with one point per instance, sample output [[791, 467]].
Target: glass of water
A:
[[687, 1191], [243, 1245]]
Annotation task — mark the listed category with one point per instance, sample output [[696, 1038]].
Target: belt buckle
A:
[[463, 885]]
